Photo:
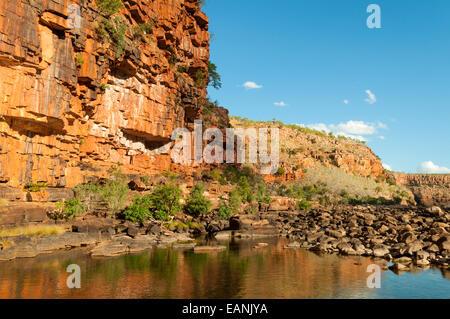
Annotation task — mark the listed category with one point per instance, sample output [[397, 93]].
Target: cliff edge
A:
[[89, 83]]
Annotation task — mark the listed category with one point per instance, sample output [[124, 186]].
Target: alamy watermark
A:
[[235, 150], [74, 279], [374, 20], [74, 19], [374, 279]]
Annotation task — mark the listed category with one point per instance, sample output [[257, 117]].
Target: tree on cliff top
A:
[[214, 76]]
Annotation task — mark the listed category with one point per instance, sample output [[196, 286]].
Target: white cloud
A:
[[431, 168], [388, 167], [249, 85], [281, 103], [352, 129], [381, 137], [355, 127], [371, 97], [346, 101]]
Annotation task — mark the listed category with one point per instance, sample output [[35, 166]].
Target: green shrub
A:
[[141, 30], [104, 86], [165, 201], [35, 187], [109, 7], [200, 78], [224, 210], [183, 69], [244, 190], [233, 174], [214, 175], [222, 181], [173, 59], [177, 225], [197, 204], [325, 200], [292, 191], [343, 193], [115, 191], [303, 205], [253, 208], [235, 201], [262, 195], [87, 193], [69, 209], [114, 30], [79, 60], [146, 180], [375, 201], [139, 210], [171, 176], [280, 171], [391, 181]]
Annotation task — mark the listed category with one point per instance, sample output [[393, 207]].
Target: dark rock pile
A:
[[400, 234]]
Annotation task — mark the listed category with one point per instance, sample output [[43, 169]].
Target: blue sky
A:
[[390, 86]]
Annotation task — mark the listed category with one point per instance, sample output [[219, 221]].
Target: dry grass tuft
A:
[[338, 181], [38, 230]]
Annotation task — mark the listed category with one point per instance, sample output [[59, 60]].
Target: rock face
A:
[[428, 190], [78, 94], [421, 179], [303, 149]]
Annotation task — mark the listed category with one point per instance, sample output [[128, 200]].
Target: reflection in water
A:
[[241, 271]]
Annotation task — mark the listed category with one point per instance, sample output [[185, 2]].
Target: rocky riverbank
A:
[[404, 235], [105, 237]]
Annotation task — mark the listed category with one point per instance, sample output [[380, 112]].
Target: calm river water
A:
[[241, 271]]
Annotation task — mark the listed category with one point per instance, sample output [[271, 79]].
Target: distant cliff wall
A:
[[427, 189], [421, 179]]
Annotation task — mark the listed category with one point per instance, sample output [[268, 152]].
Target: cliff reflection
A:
[[238, 272]]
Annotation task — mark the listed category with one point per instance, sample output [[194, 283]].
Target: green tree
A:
[[139, 210], [197, 204], [165, 201], [244, 190], [235, 201], [303, 205], [115, 191], [224, 210], [214, 76], [69, 209]]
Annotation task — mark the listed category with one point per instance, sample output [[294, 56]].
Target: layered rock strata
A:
[[80, 93]]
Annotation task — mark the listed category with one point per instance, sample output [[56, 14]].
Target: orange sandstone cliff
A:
[[75, 99], [78, 95]]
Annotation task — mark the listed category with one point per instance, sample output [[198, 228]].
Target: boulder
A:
[[11, 193], [444, 243], [153, 229], [132, 231], [413, 247], [380, 250], [17, 214]]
